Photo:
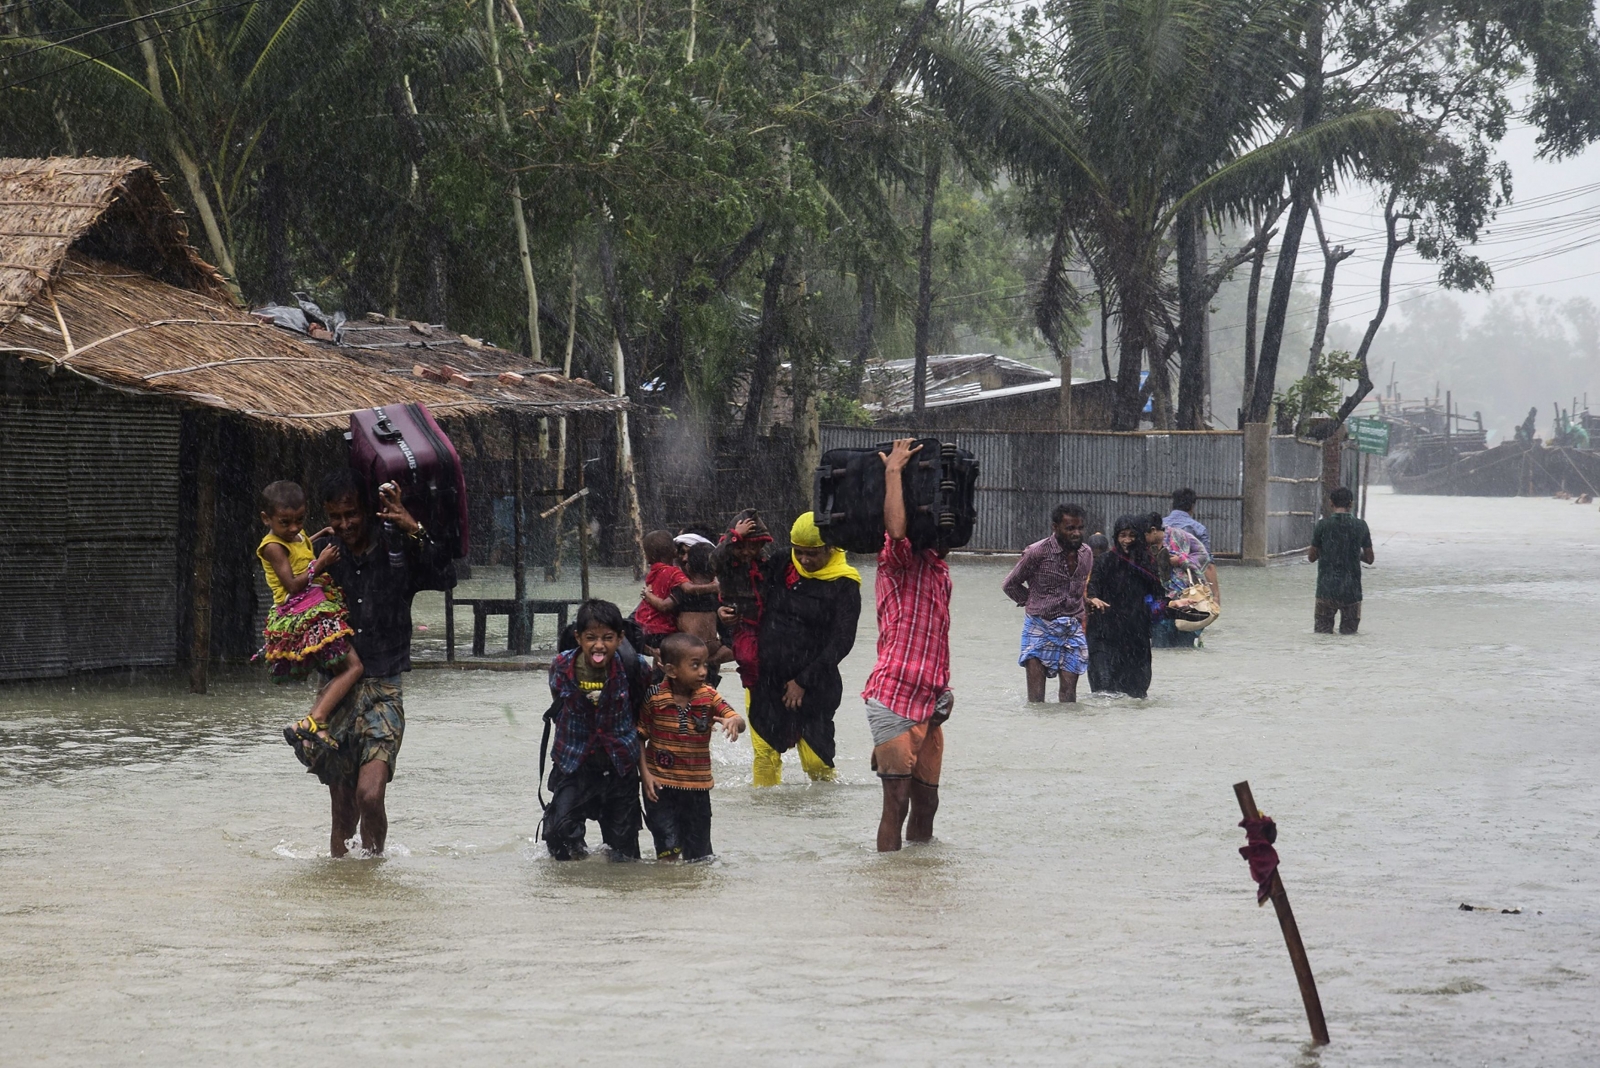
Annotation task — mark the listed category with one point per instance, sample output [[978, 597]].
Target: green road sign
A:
[[1371, 435]]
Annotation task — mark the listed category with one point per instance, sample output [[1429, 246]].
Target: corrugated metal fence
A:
[[1022, 476], [1294, 494], [88, 536]]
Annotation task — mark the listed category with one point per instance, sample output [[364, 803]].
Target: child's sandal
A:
[[308, 731]]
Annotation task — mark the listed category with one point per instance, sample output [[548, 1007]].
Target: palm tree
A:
[[1149, 112]]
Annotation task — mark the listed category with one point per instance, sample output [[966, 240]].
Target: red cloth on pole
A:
[[1257, 851]]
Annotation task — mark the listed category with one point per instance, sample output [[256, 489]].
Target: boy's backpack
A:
[[641, 676], [939, 484]]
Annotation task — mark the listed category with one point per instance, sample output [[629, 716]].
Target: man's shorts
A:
[[915, 753], [369, 725], [1349, 616], [1058, 644]]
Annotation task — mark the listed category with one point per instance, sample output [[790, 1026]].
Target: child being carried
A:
[[657, 614], [307, 629]]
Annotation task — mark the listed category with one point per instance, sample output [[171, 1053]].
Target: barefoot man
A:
[[1049, 583], [378, 581], [908, 693]]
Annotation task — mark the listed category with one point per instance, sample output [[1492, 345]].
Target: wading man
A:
[[908, 693], [1340, 544], [1049, 583], [378, 575]]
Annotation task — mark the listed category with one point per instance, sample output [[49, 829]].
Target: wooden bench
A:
[[519, 632]]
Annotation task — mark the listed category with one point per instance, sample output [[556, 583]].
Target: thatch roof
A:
[[110, 208], [97, 278]]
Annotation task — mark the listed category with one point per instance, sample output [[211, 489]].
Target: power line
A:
[[136, 41], [94, 30]]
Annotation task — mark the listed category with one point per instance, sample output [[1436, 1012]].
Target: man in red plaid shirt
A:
[[908, 693]]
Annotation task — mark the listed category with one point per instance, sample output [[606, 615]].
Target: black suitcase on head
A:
[[939, 485]]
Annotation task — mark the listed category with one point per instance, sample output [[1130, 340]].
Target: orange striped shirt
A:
[[677, 735]]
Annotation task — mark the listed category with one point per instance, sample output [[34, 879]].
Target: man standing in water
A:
[[1340, 544], [1049, 583], [908, 693], [378, 577]]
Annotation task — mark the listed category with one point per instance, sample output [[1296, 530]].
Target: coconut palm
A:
[[1148, 111]]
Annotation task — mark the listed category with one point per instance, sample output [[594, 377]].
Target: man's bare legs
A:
[[1035, 670], [361, 806], [896, 803], [924, 803], [903, 798], [1036, 679]]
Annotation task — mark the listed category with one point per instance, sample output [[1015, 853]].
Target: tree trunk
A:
[[1191, 322], [190, 170], [1251, 305], [414, 146], [1304, 191], [919, 379], [1331, 258], [279, 278], [1105, 345], [1050, 310], [1131, 345], [518, 219], [768, 336], [614, 302], [865, 324], [1391, 248]]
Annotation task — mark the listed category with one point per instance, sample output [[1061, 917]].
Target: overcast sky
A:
[[1546, 243]]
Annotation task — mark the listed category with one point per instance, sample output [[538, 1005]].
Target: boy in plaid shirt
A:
[[597, 692]]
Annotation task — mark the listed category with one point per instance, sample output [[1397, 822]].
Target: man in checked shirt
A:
[[908, 693]]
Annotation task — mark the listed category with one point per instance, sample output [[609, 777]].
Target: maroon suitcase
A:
[[402, 443]]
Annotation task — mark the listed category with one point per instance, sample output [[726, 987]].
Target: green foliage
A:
[[1319, 393], [356, 152]]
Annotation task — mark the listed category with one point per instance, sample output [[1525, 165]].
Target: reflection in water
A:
[[166, 894]]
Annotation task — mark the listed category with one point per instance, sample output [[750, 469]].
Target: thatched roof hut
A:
[[97, 278], [141, 410]]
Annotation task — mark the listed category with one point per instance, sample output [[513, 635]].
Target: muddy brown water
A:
[[166, 897]]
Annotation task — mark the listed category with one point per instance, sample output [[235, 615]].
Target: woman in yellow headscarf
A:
[[813, 601]]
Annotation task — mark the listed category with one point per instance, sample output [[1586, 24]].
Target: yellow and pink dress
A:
[[306, 631]]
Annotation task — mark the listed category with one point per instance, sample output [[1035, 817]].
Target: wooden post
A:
[[205, 544], [520, 640], [1257, 466], [1291, 932], [1366, 480], [449, 626]]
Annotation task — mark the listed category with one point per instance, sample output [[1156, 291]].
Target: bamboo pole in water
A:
[[1291, 932]]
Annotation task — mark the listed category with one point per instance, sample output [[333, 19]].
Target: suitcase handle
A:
[[384, 430]]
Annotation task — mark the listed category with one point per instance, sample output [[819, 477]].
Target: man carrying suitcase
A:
[[908, 693], [378, 574]]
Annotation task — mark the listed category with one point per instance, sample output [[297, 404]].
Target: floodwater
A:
[[166, 897]]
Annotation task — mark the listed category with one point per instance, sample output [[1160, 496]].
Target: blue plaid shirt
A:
[[584, 726]]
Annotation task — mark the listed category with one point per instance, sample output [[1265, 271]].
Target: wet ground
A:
[[166, 898]]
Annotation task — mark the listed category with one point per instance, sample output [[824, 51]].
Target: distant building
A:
[[983, 391]]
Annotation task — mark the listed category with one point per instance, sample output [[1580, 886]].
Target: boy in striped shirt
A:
[[675, 727]]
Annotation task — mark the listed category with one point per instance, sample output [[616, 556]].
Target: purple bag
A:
[[403, 444]]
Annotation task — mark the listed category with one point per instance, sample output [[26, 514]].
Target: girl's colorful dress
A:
[[308, 631]]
